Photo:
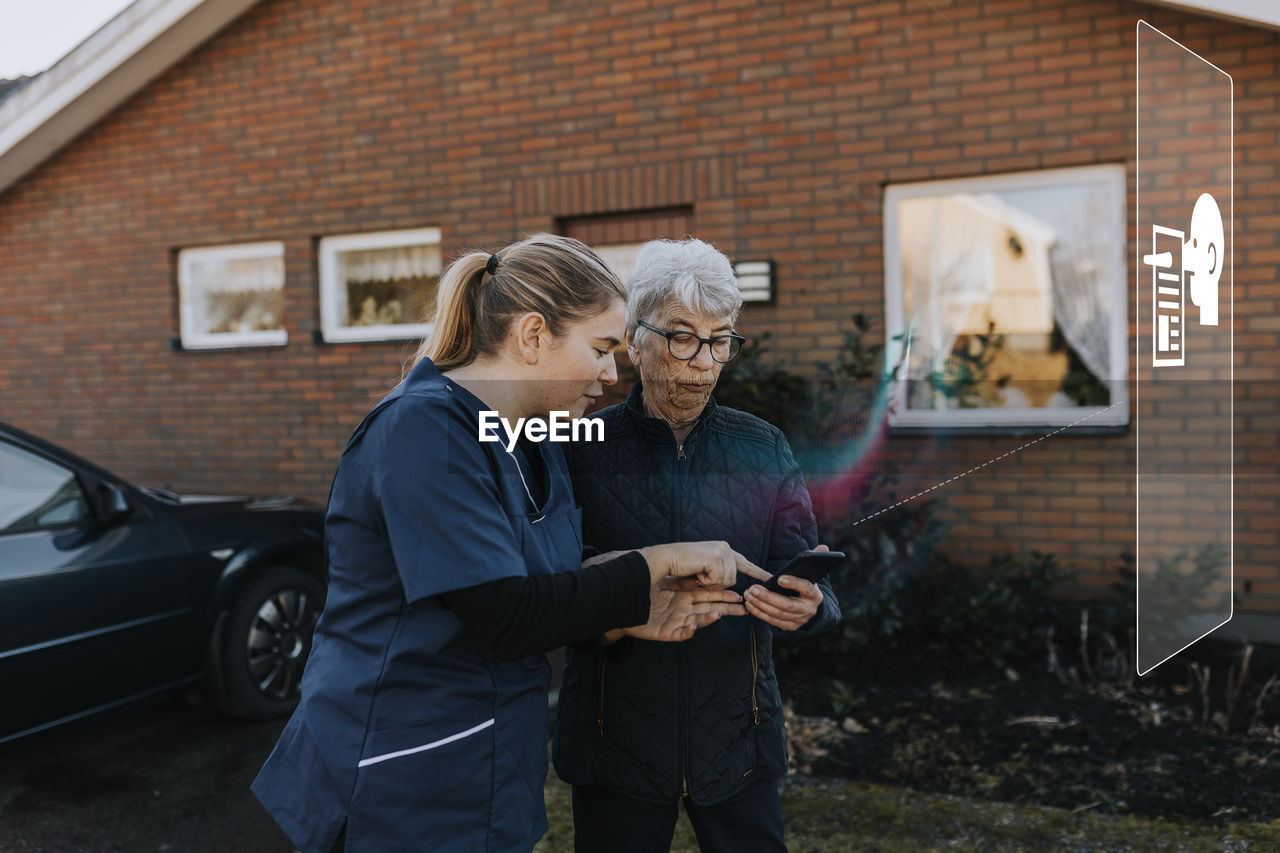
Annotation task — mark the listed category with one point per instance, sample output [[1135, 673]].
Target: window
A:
[[378, 286], [619, 257], [232, 296], [616, 237], [1005, 299], [35, 492]]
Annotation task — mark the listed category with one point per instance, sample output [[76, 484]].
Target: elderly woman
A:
[[643, 726]]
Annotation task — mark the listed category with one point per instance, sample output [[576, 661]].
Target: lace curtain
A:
[[390, 264]]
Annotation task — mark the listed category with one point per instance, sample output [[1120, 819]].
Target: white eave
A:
[[136, 46], [100, 73], [1258, 13]]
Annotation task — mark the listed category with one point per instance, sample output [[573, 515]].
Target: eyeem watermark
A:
[[559, 426]]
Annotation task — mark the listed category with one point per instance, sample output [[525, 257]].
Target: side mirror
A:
[[112, 505]]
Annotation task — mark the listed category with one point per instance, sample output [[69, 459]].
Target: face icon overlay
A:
[[1202, 257], [1184, 346], [1201, 252]]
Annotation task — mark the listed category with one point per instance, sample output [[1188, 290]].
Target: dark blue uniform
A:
[[408, 732]]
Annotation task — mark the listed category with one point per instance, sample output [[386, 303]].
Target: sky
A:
[[34, 34]]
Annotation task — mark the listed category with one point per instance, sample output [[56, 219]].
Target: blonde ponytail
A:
[[479, 295], [451, 342]]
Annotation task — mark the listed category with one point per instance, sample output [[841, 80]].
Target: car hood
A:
[[197, 505], [227, 522]]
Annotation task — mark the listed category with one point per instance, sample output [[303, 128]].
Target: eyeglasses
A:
[[685, 346]]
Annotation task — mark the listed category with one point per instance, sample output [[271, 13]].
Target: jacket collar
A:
[[426, 377], [634, 407], [423, 372]]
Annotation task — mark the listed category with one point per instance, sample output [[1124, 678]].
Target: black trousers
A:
[[748, 822]]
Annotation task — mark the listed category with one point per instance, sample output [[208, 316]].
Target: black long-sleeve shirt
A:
[[519, 616]]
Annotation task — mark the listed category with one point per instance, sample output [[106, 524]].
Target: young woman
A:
[[454, 564]]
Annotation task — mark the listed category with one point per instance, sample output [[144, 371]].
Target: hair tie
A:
[[492, 266]]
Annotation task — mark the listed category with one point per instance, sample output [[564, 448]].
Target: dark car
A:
[[110, 593]]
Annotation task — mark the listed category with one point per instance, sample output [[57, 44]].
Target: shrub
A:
[[823, 419], [1003, 616], [893, 580], [767, 391]]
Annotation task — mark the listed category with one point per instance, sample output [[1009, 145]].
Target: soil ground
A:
[[1159, 746]]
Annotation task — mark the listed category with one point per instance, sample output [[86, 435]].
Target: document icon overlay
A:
[[1184, 386]]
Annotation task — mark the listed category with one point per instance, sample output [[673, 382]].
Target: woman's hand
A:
[[714, 565], [783, 611], [677, 608]]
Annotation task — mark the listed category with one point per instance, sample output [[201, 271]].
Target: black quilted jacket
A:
[[700, 718]]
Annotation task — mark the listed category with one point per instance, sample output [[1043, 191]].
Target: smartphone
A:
[[813, 566]]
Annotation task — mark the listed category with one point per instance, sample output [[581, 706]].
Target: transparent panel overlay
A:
[[1183, 281]]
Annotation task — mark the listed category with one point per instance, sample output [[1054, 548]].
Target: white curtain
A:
[[946, 271], [390, 264], [236, 275], [1081, 303]]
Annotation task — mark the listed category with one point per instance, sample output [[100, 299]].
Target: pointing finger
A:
[[750, 569]]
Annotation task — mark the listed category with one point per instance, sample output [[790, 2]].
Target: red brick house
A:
[[306, 151]]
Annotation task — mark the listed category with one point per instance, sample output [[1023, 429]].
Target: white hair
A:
[[690, 272]]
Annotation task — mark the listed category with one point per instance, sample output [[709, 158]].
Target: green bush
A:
[[767, 391], [833, 425], [893, 581], [1003, 615], [1181, 595]]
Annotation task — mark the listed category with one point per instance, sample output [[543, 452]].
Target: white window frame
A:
[[332, 294], [191, 331], [1111, 179]]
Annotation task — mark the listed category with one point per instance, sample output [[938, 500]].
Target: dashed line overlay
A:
[[984, 464]]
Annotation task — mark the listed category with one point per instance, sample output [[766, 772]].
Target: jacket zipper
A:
[[684, 712], [755, 667], [600, 699], [684, 670], [684, 717]]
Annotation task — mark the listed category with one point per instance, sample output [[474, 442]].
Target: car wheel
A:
[[266, 640]]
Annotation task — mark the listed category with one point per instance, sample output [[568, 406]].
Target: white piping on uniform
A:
[[528, 493], [435, 743]]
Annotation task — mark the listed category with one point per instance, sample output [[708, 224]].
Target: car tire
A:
[[266, 638]]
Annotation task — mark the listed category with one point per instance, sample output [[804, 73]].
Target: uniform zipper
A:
[[755, 667], [600, 699], [680, 453]]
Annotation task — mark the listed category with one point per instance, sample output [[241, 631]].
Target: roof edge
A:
[[1249, 12], [149, 36], [100, 73]]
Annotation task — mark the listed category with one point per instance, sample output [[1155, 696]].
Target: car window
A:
[[35, 492]]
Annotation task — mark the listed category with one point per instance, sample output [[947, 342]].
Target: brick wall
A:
[[777, 123]]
